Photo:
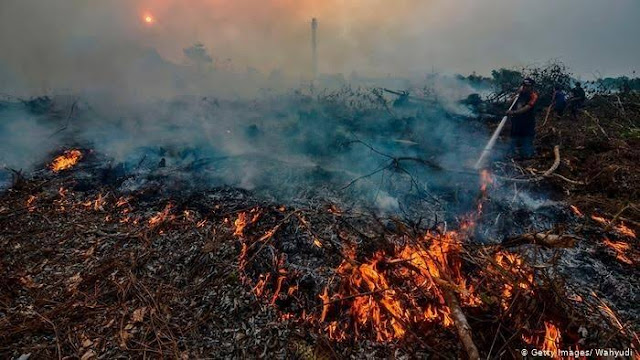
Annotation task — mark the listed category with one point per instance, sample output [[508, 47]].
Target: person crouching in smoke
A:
[[523, 121]]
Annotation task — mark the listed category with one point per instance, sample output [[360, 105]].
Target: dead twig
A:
[[55, 331]]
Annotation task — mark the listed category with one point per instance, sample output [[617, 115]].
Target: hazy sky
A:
[[40, 37]]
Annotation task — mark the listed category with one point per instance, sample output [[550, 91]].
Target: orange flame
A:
[[429, 268], [243, 220], [514, 264], [485, 180], [624, 230], [552, 338], [97, 204], [240, 224], [30, 201], [621, 249], [378, 307], [162, 216], [620, 228], [325, 304], [66, 161], [576, 211], [262, 282]]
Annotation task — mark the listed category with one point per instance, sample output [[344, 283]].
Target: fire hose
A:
[[494, 137]]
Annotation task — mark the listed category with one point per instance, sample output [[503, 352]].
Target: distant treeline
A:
[[549, 76]]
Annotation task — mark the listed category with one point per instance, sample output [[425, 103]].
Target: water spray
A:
[[494, 137]]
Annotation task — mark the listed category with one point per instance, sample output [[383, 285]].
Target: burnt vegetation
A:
[[150, 257]]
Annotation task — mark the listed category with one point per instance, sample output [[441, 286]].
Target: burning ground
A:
[[137, 248]]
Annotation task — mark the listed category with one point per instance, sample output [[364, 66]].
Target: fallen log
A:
[[461, 324]]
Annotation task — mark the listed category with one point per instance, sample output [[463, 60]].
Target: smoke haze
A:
[[216, 118], [85, 44]]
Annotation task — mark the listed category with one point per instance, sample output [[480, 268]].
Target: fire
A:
[[30, 201], [552, 338], [162, 216], [262, 282], [366, 310], [240, 224], [416, 283], [325, 304], [624, 230], [620, 228], [97, 204], [576, 211], [514, 265], [243, 221], [430, 266], [122, 201], [66, 161], [551, 342], [621, 250], [282, 276], [485, 181]]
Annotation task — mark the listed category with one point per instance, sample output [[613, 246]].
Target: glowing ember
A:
[[162, 216], [30, 201], [621, 228], [97, 204], [621, 250], [576, 211], [624, 230], [262, 282], [66, 161], [610, 313], [325, 304]]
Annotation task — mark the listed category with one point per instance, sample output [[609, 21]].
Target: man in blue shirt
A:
[[559, 100]]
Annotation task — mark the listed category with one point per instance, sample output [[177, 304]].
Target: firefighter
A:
[[523, 121]]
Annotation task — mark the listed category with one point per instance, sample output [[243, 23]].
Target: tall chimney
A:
[[314, 47]]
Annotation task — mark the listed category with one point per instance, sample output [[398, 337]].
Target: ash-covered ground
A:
[[203, 227]]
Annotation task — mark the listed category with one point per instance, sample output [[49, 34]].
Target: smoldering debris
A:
[[281, 145], [121, 242]]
